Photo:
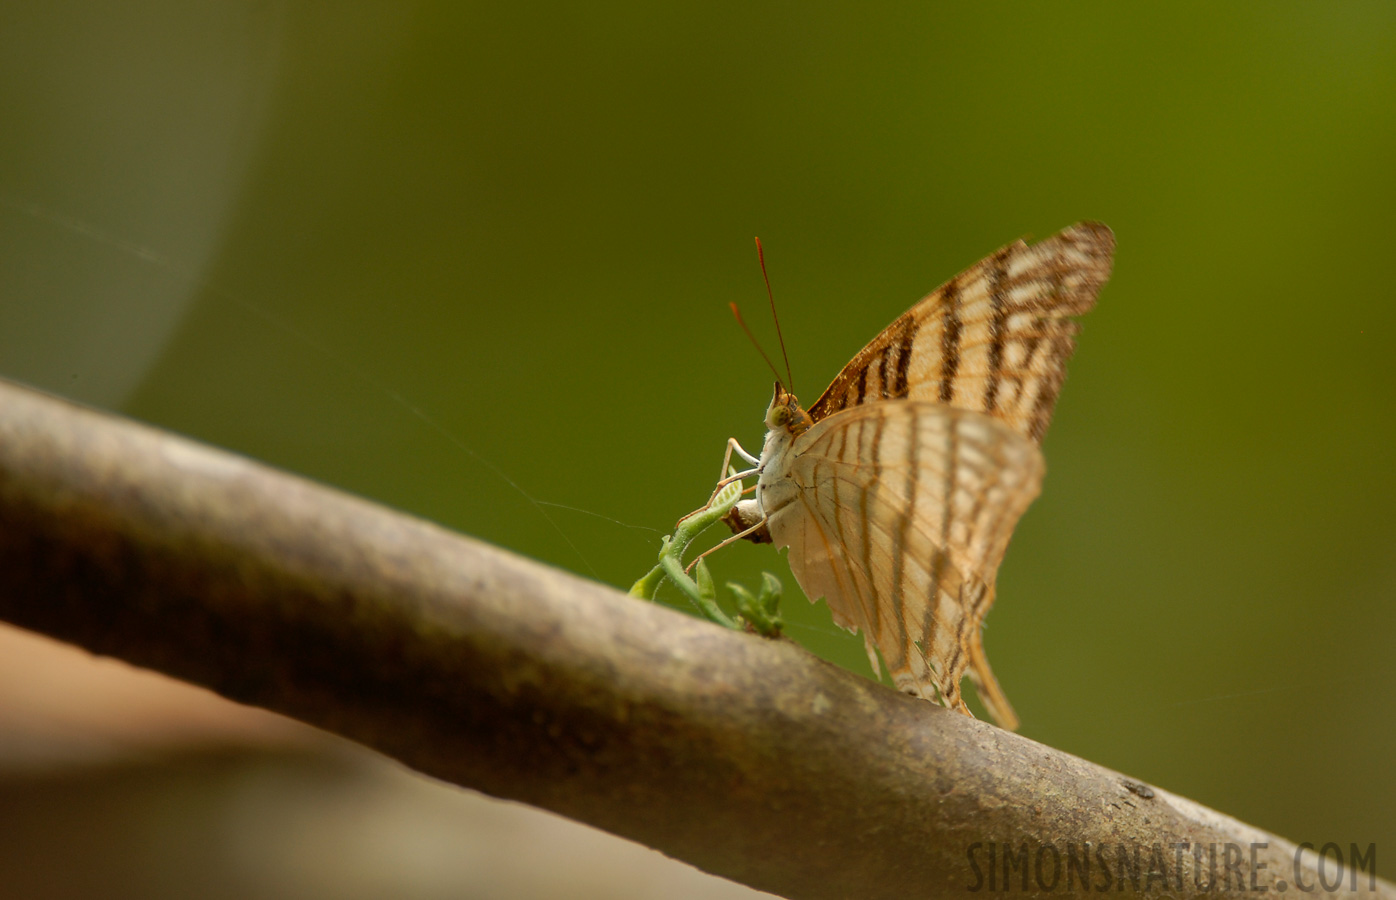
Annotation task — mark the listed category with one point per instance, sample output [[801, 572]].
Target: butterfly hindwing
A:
[[902, 515]]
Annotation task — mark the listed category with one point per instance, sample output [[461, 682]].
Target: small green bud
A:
[[706, 589]]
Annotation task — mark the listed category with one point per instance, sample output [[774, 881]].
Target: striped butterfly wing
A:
[[994, 339], [901, 516], [905, 508]]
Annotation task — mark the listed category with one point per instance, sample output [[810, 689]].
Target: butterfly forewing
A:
[[994, 339], [902, 515]]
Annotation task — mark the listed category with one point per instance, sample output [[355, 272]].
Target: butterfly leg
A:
[[720, 485], [736, 537], [733, 446], [725, 479], [735, 476]]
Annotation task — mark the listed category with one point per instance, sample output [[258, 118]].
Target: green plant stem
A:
[[671, 553], [672, 563]]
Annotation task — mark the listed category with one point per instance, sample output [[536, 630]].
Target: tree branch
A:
[[745, 757]]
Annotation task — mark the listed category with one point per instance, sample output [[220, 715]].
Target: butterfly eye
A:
[[779, 417]]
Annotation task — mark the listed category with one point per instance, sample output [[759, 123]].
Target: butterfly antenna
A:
[[761, 255], [740, 321]]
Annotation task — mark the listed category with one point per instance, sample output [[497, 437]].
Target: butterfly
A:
[[897, 491]]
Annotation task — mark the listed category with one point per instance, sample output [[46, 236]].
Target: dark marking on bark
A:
[[1138, 788]]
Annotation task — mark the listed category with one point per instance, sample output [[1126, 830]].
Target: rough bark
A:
[[745, 757]]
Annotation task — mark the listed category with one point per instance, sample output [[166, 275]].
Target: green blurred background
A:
[[474, 262]]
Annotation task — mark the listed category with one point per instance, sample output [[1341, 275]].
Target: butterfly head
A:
[[786, 413]]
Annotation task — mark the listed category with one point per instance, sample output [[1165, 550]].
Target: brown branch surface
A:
[[745, 757]]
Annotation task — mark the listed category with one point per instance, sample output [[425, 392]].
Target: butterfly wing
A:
[[900, 518], [994, 339]]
